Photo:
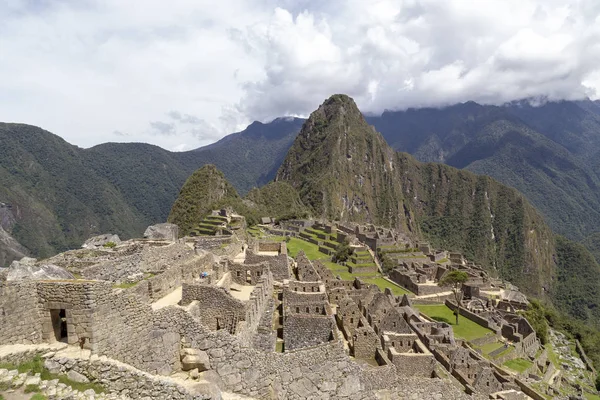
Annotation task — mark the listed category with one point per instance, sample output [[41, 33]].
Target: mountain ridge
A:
[[344, 170]]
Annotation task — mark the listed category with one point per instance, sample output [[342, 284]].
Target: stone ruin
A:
[[214, 315]]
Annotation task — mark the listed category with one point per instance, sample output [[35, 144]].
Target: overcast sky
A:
[[183, 73]]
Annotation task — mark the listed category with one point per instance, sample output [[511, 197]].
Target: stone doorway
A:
[[59, 324]]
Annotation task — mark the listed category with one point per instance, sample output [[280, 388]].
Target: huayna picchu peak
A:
[[344, 170]]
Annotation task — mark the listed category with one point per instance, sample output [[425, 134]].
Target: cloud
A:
[[162, 128], [212, 68], [397, 55]]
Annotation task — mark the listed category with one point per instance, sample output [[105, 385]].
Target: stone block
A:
[[77, 377], [193, 358]]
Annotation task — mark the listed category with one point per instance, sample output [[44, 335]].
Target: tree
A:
[[343, 252], [455, 280]]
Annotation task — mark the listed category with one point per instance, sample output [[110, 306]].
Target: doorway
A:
[[59, 324]]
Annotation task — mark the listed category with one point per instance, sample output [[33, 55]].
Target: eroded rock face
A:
[[164, 231], [26, 269], [100, 241]]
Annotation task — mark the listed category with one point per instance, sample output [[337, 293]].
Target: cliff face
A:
[[344, 170]]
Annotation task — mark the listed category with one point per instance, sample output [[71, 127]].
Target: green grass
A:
[[552, 355], [383, 284], [519, 365], [38, 396], [311, 250], [466, 329], [365, 265], [36, 366], [490, 347], [590, 396], [32, 389]]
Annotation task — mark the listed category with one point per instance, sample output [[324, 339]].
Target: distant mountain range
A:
[[60, 194], [56, 195]]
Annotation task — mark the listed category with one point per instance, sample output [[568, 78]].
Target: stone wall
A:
[[419, 362], [301, 330], [77, 299], [125, 380], [279, 265], [365, 342], [471, 315], [20, 320], [124, 328], [216, 308], [244, 274], [323, 371]]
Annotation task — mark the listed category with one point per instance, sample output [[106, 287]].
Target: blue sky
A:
[[183, 73]]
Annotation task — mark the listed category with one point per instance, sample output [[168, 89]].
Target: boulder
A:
[[77, 377], [164, 231], [100, 240], [26, 269], [194, 358]]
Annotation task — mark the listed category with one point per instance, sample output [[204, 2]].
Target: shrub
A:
[[343, 252], [110, 245]]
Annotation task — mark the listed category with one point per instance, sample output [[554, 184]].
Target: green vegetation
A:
[[32, 389], [311, 250], [71, 194], [454, 280], [343, 252], [577, 291], [38, 396], [278, 200], [535, 316], [468, 330], [384, 283], [488, 348], [202, 191], [519, 365], [36, 366], [455, 207], [110, 245]]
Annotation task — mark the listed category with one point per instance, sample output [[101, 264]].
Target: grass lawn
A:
[[311, 250], [518, 364], [490, 347], [383, 284], [466, 329]]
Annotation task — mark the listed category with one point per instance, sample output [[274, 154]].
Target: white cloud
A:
[[91, 70]]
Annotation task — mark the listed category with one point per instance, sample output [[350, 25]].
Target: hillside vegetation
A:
[[58, 195], [207, 189], [344, 170]]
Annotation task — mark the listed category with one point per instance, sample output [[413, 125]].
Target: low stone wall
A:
[[472, 316], [362, 269], [123, 379]]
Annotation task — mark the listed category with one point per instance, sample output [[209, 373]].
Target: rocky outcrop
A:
[[10, 248], [101, 241], [164, 231], [27, 269]]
